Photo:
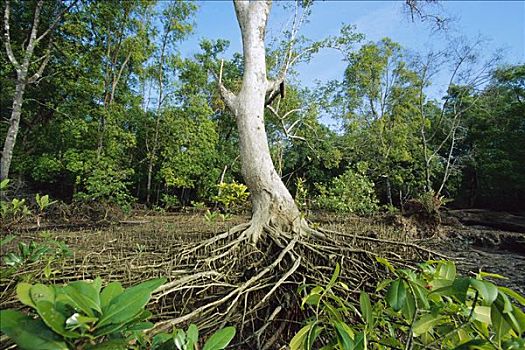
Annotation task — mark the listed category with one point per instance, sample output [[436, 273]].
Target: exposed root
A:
[[234, 282]]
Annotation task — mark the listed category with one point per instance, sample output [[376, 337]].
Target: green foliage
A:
[[431, 202], [351, 192], [170, 201], [431, 308], [50, 249], [189, 339], [232, 195], [211, 216], [80, 315]]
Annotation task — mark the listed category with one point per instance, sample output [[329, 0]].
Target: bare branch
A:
[[56, 21], [7, 38], [228, 96], [43, 65]]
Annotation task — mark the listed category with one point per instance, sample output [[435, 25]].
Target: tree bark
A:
[[272, 203], [21, 82]]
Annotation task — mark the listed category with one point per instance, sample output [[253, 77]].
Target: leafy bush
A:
[[432, 308], [14, 211], [170, 201], [232, 195], [189, 339], [32, 252], [351, 192], [431, 202], [80, 315]]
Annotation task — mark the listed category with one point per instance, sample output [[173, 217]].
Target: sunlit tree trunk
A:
[[272, 203]]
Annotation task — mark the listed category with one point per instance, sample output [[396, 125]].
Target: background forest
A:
[[129, 162], [118, 115]]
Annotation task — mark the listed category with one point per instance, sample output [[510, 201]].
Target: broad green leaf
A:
[[409, 308], [366, 310], [86, 295], [141, 326], [345, 335], [421, 295], [54, 319], [112, 290], [487, 290], [40, 292], [28, 333], [499, 325], [179, 338], [396, 295], [460, 288], [129, 303], [446, 270], [220, 339], [80, 321], [425, 323], [313, 333], [192, 335], [472, 344], [298, 340], [515, 295], [23, 292], [482, 314]]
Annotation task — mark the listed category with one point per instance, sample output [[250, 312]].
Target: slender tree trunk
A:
[[272, 202], [14, 123]]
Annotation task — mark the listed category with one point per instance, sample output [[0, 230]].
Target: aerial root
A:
[[249, 285]]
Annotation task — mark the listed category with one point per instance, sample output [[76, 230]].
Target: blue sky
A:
[[501, 22]]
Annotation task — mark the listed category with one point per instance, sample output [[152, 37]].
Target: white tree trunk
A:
[[272, 203]]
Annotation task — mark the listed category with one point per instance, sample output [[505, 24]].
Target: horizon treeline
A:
[[119, 115]]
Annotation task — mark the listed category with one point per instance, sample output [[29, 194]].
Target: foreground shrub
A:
[[432, 308], [351, 192], [80, 315], [83, 315]]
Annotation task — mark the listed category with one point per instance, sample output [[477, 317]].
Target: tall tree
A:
[[271, 201], [22, 68]]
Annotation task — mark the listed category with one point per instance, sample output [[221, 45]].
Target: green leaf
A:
[[421, 295], [298, 340], [85, 295], [23, 292], [129, 303], [111, 291], [446, 270], [335, 276], [28, 333], [482, 314], [409, 308], [40, 292], [425, 323], [192, 334], [396, 295], [472, 344], [366, 309], [515, 295], [345, 335], [487, 290], [54, 319], [460, 288], [6, 240], [220, 339], [383, 284], [113, 344], [385, 263], [179, 338]]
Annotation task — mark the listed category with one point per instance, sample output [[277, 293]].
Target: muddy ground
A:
[[141, 247]]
